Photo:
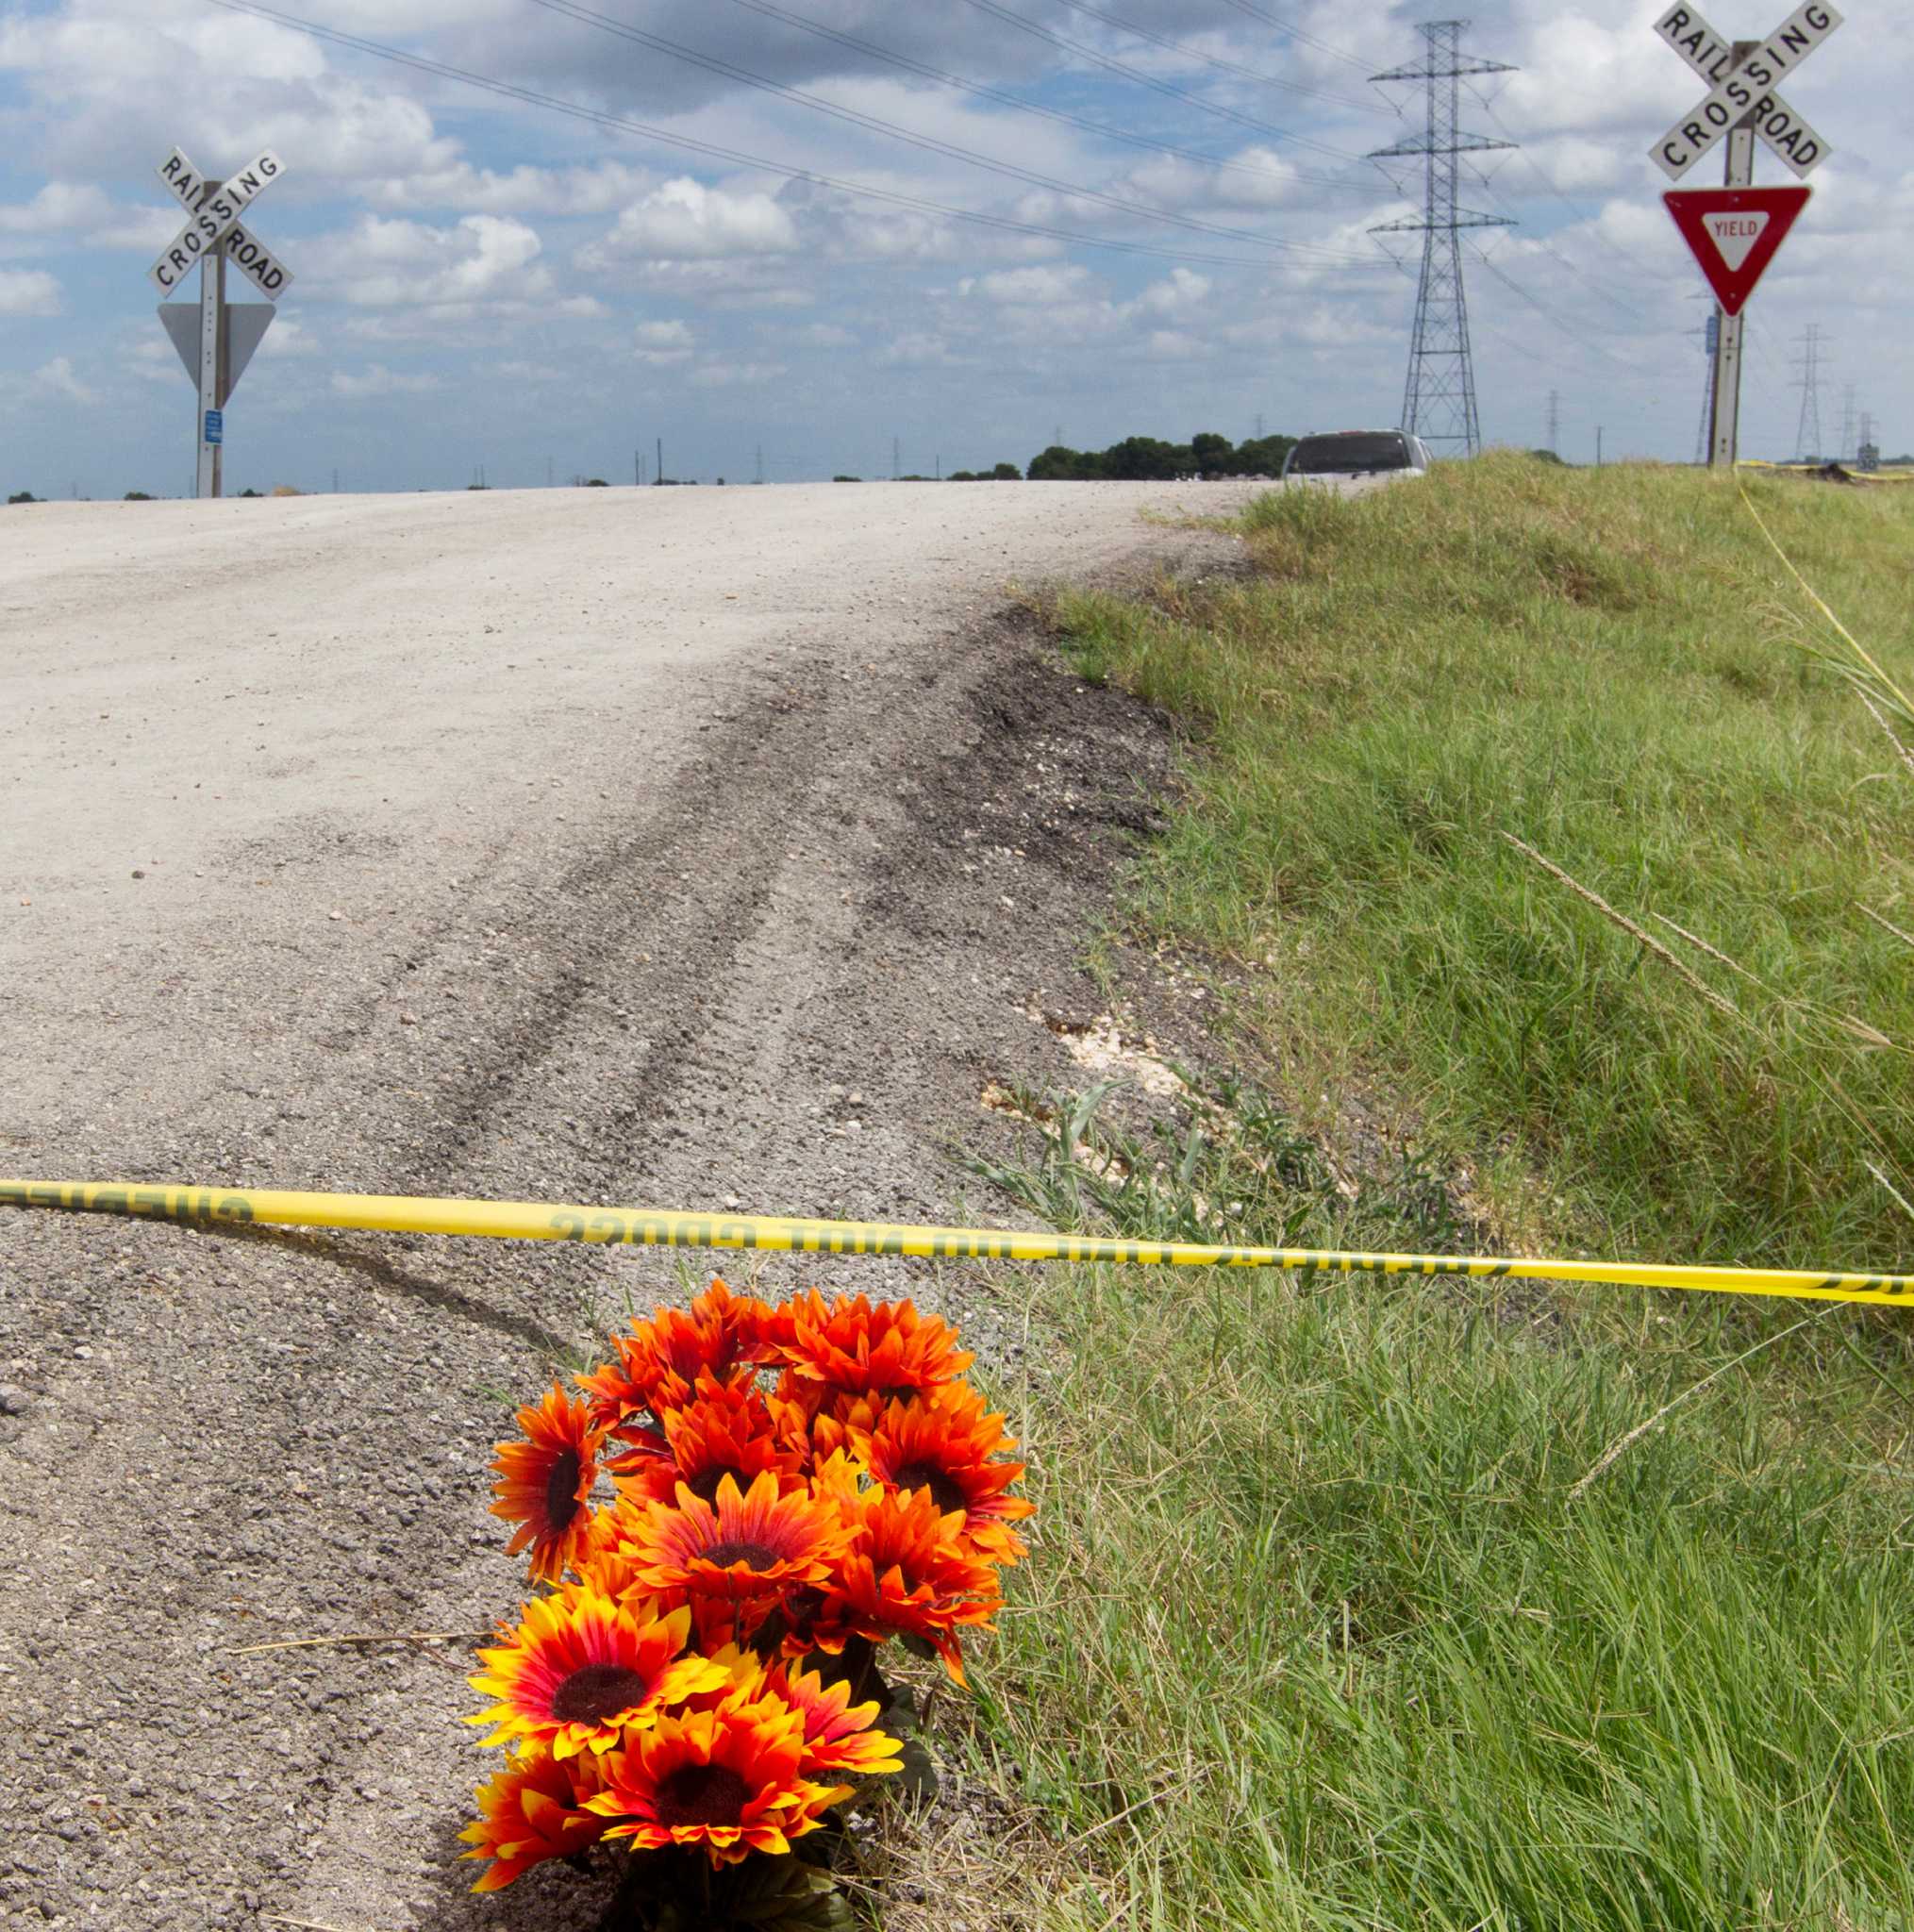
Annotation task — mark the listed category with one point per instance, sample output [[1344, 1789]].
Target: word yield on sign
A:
[[1733, 233]]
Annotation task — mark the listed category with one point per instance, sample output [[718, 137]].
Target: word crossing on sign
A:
[[214, 213], [1748, 88], [1734, 233]]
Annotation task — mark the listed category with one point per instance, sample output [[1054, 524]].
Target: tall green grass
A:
[[1608, 667], [1339, 1618]]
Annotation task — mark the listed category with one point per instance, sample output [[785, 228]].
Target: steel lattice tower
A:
[[1439, 402], [1807, 432]]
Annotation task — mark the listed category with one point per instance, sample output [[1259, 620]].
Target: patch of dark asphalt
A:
[[776, 978]]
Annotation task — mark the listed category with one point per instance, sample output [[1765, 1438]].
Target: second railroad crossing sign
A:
[[216, 339], [1733, 233], [1744, 87]]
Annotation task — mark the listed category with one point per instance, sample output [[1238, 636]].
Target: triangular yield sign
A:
[[1734, 232], [246, 323]]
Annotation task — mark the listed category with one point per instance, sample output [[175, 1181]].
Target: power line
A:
[[983, 91], [1136, 75], [1297, 33], [1297, 87], [1438, 399], [571, 10], [690, 144], [1808, 433]]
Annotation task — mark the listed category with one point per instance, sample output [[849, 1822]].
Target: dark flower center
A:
[[702, 1794], [561, 1489], [755, 1555], [704, 1483], [598, 1691], [927, 1476]]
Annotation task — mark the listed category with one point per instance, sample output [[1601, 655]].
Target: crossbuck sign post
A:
[[1735, 231], [216, 339]]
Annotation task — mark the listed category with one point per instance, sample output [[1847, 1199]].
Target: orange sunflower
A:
[[533, 1810], [580, 1668], [729, 1780], [722, 1431], [754, 1543], [910, 1573], [659, 1363], [544, 1480], [851, 1349], [944, 1442]]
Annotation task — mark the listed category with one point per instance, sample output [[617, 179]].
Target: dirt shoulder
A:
[[711, 851]]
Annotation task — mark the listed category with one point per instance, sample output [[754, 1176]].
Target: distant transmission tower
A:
[[1807, 432], [1553, 445], [896, 462], [1439, 401], [1846, 452]]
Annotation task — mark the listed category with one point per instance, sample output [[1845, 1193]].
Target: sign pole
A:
[[1724, 432], [211, 367]]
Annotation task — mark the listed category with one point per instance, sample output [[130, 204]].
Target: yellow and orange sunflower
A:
[[838, 1734], [532, 1810], [544, 1481], [744, 1545], [852, 1351], [945, 1442], [580, 1668], [910, 1573], [729, 1782]]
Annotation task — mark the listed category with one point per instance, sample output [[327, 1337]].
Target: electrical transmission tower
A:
[[1808, 433], [1554, 444], [1846, 451], [1439, 401]]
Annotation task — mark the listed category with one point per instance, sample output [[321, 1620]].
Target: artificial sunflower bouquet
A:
[[792, 1486]]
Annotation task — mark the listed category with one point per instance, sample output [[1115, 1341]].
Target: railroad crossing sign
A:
[[1734, 234], [216, 339], [1743, 76]]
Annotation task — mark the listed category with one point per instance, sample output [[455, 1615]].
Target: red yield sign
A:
[[1734, 232]]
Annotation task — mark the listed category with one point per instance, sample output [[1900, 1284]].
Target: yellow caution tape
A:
[[538, 1221]]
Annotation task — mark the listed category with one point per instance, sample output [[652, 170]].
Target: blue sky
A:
[[484, 280]]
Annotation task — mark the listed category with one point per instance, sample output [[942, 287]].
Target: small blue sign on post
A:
[[1711, 337], [215, 425]]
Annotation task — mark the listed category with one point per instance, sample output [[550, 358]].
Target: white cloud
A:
[[384, 263], [735, 374], [60, 205], [378, 380], [685, 221], [1050, 282], [522, 190], [29, 291], [663, 344], [57, 378]]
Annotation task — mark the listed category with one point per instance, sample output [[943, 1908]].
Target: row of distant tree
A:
[[1147, 459]]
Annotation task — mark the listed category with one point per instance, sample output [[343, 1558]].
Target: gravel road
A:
[[674, 847]]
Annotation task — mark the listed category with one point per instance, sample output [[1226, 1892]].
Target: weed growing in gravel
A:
[[698, 1685]]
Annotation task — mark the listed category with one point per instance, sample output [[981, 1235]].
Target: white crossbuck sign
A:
[[216, 339], [1744, 87], [213, 214]]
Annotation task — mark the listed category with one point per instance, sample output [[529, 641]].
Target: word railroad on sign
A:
[[1734, 231], [216, 339]]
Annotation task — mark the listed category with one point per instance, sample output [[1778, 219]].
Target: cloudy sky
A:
[[957, 229]]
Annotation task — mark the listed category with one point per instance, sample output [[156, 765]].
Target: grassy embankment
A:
[[1368, 1605]]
